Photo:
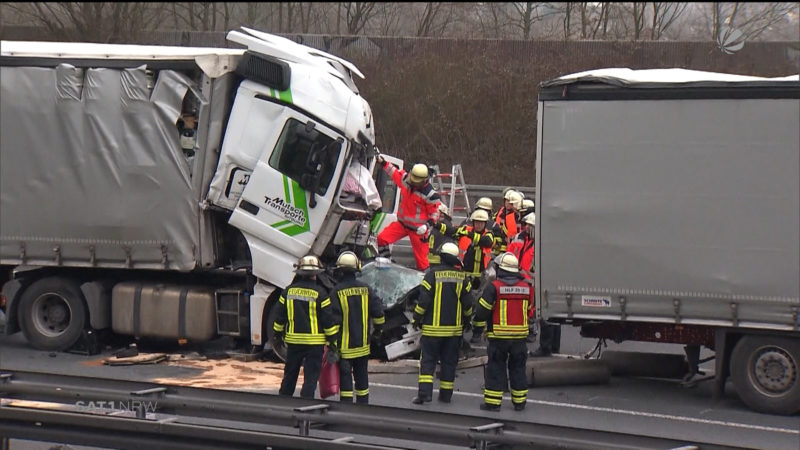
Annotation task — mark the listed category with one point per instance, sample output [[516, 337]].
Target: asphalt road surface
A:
[[656, 407]]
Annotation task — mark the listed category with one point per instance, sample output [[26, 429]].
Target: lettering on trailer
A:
[[522, 290], [596, 301], [295, 215]]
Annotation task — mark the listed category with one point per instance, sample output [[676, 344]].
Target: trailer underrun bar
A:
[[166, 416]]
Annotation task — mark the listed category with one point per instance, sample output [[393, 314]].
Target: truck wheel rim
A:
[[51, 314], [774, 371]]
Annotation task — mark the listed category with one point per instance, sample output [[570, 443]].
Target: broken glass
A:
[[390, 281]]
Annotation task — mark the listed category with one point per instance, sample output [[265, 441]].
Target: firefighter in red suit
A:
[[503, 309], [417, 212]]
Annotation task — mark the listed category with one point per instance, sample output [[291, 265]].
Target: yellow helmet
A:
[[479, 215], [309, 265], [348, 260], [484, 203], [449, 248], [508, 262], [418, 174], [443, 209]]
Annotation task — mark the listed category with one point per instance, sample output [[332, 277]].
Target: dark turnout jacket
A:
[[304, 314], [353, 304]]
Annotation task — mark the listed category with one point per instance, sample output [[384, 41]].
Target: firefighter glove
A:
[[422, 229]]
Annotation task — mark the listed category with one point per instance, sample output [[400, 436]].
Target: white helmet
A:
[[508, 262], [443, 209], [527, 203], [530, 219], [449, 248], [348, 260], [418, 174], [515, 198], [309, 265], [484, 203], [479, 215]]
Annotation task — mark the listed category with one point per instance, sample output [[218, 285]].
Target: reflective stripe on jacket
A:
[[507, 301], [304, 314], [443, 302], [353, 304], [417, 205]]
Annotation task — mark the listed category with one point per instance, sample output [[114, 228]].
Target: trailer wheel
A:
[[766, 373], [52, 313], [280, 350]]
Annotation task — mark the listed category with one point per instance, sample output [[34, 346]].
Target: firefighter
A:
[[506, 220], [528, 206], [522, 247], [417, 211], [439, 234], [353, 303], [484, 203], [442, 312], [306, 323], [503, 310], [475, 244]]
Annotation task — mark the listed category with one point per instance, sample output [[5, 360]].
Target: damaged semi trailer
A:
[[167, 192], [668, 211]]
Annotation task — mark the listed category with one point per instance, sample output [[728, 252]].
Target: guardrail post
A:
[[304, 423], [493, 428], [141, 411]]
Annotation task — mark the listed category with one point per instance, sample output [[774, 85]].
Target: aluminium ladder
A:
[[451, 187]]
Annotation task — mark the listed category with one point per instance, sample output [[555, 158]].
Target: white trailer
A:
[[668, 206]]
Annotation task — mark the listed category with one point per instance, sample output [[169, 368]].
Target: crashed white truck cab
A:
[[166, 192]]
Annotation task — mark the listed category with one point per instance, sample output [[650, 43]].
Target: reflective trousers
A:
[[396, 231], [443, 350], [506, 356], [310, 358], [354, 368]]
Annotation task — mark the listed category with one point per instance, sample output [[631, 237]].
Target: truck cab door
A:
[[288, 196], [390, 197]]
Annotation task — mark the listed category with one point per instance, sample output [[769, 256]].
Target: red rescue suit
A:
[[522, 247], [418, 205]]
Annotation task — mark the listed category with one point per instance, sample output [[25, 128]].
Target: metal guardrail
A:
[[477, 191], [178, 417]]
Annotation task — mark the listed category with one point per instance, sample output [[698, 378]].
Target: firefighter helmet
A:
[[484, 203], [348, 261], [443, 209], [479, 215], [449, 248], [530, 219], [508, 262], [515, 198], [309, 265], [418, 174], [527, 203]]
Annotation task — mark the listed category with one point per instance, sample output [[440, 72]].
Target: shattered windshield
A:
[[391, 282]]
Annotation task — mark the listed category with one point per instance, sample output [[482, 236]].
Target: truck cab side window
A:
[[303, 153]]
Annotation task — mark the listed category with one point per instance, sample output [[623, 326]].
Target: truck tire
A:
[[279, 350], [766, 373], [52, 313]]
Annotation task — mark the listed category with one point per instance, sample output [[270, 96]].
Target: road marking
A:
[[619, 411]]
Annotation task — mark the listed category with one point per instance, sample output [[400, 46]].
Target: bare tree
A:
[[358, 14], [434, 19], [665, 14], [750, 18], [92, 21]]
